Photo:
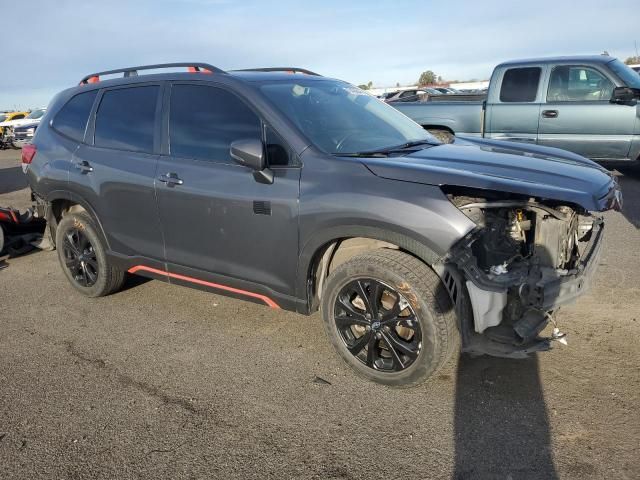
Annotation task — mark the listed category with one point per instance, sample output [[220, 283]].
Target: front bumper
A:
[[489, 296], [568, 288]]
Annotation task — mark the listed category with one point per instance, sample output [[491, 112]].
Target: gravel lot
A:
[[160, 381]]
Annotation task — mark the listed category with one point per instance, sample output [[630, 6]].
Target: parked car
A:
[[23, 134], [302, 192], [588, 105], [21, 131], [447, 90], [30, 121], [5, 120], [386, 95], [411, 95], [635, 68]]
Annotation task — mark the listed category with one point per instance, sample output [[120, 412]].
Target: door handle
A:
[[83, 166], [550, 113], [170, 179]]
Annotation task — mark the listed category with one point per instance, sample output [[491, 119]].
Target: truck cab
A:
[[565, 103], [585, 104]]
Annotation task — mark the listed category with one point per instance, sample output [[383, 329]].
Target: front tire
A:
[[83, 258], [389, 318]]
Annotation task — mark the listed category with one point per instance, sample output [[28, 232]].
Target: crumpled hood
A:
[[542, 172]]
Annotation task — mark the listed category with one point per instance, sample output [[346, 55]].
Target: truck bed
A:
[[459, 116]]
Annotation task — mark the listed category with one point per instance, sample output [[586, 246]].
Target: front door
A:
[[578, 116], [216, 218]]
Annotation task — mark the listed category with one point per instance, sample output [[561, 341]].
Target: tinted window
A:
[[71, 120], [575, 84], [126, 119], [18, 117], [203, 121], [520, 84]]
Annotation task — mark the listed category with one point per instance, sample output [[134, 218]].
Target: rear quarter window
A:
[[71, 120], [520, 84]]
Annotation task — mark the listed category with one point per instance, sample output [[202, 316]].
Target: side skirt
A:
[[201, 280]]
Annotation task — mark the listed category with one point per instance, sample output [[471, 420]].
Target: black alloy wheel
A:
[[80, 257], [378, 325]]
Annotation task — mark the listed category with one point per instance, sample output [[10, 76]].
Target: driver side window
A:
[[569, 83]]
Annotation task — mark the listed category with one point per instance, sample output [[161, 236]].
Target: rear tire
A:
[[82, 256], [445, 136], [397, 352]]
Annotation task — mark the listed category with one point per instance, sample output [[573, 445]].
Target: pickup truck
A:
[[584, 104]]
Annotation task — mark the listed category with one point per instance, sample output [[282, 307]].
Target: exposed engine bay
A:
[[524, 260]]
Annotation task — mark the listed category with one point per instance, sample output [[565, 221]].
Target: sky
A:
[[57, 42]]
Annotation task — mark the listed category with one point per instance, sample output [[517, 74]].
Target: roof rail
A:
[[133, 71], [280, 69]]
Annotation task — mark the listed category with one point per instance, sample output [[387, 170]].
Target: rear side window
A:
[[203, 121], [71, 120], [126, 119], [520, 84]]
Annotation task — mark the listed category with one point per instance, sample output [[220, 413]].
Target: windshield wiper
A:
[[388, 150]]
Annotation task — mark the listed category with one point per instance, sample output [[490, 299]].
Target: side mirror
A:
[[624, 96], [249, 152]]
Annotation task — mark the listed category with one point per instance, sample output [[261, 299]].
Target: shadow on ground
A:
[[12, 180], [630, 184], [501, 424]]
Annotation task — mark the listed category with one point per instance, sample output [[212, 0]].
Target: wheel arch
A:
[[446, 128], [59, 202], [324, 252]]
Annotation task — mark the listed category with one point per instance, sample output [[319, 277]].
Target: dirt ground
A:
[[160, 381]]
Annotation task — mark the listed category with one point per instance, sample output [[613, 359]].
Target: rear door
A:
[[578, 116], [218, 221], [513, 108], [115, 170]]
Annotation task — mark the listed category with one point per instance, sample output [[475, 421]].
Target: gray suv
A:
[[296, 191]]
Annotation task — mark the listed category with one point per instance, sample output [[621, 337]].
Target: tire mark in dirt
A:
[[127, 381]]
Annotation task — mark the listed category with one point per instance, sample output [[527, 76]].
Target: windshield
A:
[[626, 74], [36, 114], [3, 118], [342, 119]]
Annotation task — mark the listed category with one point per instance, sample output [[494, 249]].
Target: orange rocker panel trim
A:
[[265, 299]]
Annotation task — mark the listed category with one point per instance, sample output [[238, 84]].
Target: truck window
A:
[[71, 120], [520, 84], [569, 83], [203, 121], [126, 119]]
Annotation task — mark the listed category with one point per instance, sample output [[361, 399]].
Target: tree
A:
[[397, 84], [427, 78], [632, 60], [366, 87]]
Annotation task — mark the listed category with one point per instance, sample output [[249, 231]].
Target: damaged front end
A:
[[510, 275]]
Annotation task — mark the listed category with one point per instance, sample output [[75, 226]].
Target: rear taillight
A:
[[28, 152]]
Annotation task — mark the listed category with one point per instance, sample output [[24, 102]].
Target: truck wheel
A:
[[389, 317], [82, 256], [445, 136]]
